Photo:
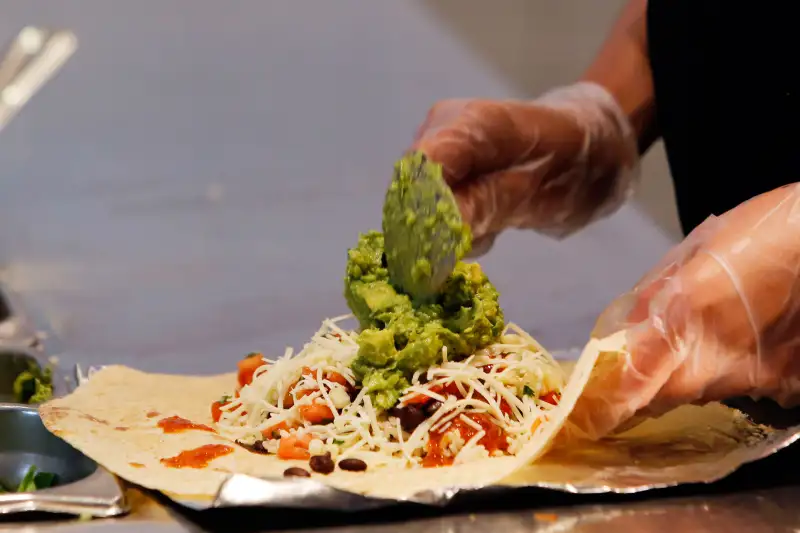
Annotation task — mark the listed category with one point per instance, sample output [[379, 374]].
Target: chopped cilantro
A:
[[35, 480], [527, 391]]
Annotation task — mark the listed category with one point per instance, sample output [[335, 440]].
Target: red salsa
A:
[[197, 457], [551, 397], [176, 424], [494, 439]]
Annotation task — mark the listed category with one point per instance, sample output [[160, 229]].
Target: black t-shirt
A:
[[726, 86]]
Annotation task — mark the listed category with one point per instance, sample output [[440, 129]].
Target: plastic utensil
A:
[[423, 231]]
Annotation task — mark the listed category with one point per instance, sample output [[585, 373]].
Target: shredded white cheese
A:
[[309, 393]]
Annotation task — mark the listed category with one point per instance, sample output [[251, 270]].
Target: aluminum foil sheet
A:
[[691, 444]]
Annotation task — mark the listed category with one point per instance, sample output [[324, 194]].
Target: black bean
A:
[[256, 447], [353, 465], [410, 416], [296, 471], [322, 464], [432, 407]]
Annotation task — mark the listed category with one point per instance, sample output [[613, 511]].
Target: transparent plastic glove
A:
[[718, 318], [554, 164]]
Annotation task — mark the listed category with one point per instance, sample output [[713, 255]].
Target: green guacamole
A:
[[399, 337], [34, 386]]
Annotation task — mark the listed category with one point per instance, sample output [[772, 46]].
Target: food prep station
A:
[[760, 496]]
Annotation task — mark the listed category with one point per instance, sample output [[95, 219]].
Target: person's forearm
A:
[[623, 68]]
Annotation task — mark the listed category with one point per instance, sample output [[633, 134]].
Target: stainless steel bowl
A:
[[82, 487], [24, 442]]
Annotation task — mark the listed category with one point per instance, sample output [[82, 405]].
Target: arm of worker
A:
[[623, 67], [556, 163]]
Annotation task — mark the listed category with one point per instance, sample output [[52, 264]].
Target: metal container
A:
[[81, 488]]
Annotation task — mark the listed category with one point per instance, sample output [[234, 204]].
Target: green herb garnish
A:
[[527, 391], [34, 480]]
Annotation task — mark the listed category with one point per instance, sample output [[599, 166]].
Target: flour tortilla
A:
[[107, 419]]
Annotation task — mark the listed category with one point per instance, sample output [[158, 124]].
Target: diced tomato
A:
[[552, 397], [422, 399], [248, 366], [292, 448], [335, 377], [316, 413], [304, 441], [418, 399], [270, 432], [487, 369], [288, 401], [451, 389], [505, 408], [216, 410]]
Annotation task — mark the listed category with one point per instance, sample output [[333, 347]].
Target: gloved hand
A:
[[553, 164], [717, 319]]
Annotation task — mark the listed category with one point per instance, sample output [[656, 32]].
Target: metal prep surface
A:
[[773, 510]]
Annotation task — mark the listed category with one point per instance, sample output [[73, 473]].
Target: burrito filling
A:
[[419, 385]]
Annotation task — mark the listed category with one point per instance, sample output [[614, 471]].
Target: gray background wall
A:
[[185, 190]]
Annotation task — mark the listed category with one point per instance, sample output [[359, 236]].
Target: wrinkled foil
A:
[[691, 444]]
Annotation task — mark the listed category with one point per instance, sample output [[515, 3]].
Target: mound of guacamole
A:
[[34, 386], [399, 336]]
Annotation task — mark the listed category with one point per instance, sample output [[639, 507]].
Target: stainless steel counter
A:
[[774, 510]]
